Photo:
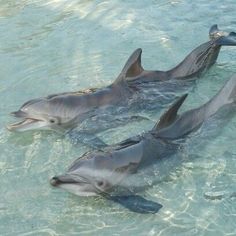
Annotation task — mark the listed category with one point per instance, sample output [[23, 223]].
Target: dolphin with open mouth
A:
[[98, 172], [65, 111]]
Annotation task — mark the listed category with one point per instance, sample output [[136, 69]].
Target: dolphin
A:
[[100, 171], [65, 111]]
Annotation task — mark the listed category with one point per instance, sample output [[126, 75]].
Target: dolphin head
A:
[[43, 114], [74, 184], [89, 175], [80, 185]]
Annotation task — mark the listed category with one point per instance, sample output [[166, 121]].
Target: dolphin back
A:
[[227, 95], [189, 121], [204, 56]]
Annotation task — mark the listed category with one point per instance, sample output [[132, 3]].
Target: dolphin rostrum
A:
[[67, 110], [98, 172]]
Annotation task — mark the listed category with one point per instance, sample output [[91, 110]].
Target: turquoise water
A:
[[57, 45]]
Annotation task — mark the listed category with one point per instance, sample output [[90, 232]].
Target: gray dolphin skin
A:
[[97, 172], [65, 111]]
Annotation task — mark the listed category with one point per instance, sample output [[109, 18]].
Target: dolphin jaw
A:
[[27, 124], [76, 187]]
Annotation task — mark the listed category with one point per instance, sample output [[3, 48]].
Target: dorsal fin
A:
[[170, 115], [133, 66]]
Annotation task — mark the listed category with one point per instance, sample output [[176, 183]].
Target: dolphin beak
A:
[[54, 181], [26, 124], [66, 179], [63, 179], [74, 184]]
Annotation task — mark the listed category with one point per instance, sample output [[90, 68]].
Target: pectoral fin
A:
[[88, 139], [135, 203]]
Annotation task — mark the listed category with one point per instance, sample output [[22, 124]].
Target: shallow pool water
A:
[[66, 45]]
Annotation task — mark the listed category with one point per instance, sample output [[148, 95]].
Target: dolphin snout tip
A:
[[14, 113], [18, 113], [54, 181], [9, 127]]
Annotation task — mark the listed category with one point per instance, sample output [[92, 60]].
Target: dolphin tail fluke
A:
[[229, 40], [214, 32], [222, 38]]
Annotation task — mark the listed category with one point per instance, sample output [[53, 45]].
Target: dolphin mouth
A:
[[18, 126], [28, 123], [78, 186], [66, 179], [56, 181]]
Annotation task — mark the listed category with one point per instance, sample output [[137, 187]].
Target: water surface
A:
[[58, 45]]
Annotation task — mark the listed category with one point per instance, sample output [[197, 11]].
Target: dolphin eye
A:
[[52, 121], [100, 183]]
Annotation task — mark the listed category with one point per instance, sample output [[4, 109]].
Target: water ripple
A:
[[58, 45]]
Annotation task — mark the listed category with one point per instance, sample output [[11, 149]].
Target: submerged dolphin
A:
[[98, 172], [66, 110]]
